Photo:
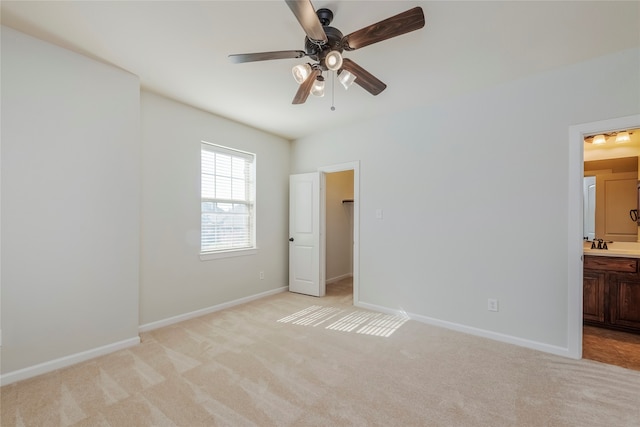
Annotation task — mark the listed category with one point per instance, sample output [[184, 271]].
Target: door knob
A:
[[291, 239]]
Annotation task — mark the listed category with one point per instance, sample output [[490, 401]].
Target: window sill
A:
[[207, 256]]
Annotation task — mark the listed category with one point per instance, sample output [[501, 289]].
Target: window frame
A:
[[250, 201]]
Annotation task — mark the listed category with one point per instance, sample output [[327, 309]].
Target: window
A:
[[227, 199]]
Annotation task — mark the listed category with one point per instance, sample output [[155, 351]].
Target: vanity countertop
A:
[[616, 249]]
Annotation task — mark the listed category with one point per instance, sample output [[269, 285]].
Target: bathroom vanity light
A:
[[622, 137]]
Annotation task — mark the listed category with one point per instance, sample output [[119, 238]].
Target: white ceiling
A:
[[179, 49]]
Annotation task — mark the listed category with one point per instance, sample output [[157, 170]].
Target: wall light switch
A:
[[378, 213]]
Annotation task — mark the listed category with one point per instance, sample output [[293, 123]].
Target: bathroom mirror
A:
[[610, 189]]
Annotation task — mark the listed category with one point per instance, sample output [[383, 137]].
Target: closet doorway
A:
[[339, 230]]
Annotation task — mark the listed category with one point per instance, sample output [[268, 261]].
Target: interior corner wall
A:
[[70, 203], [174, 281], [339, 225], [474, 193]]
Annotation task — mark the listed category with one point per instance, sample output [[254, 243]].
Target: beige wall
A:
[[70, 206], [475, 208], [174, 281], [100, 209]]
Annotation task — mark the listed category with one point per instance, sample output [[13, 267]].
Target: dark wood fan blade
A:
[[305, 88], [306, 15], [402, 23], [263, 56], [364, 79]]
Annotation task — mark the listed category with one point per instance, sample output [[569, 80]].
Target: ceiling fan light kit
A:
[[318, 87], [301, 72], [333, 60], [325, 44], [346, 79]]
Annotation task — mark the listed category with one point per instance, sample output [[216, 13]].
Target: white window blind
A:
[[227, 199]]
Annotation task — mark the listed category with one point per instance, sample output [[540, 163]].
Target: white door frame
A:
[[355, 167], [575, 220]]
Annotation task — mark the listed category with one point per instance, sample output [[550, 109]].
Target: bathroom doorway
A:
[[611, 176], [584, 342]]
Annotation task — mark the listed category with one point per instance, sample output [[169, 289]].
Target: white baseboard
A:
[[63, 362], [337, 278], [186, 316], [496, 336]]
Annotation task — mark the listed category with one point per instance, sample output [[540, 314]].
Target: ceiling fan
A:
[[324, 45]]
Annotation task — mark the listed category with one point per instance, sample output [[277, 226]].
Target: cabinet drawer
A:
[[624, 265]]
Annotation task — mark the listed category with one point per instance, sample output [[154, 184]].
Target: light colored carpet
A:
[[249, 366]]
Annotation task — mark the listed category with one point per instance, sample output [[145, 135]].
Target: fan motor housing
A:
[[318, 52]]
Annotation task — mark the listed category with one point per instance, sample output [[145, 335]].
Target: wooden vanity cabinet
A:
[[593, 296], [624, 302], [611, 293]]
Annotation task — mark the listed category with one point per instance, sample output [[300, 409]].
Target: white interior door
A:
[[589, 207], [304, 235]]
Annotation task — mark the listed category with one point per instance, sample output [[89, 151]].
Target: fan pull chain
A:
[[333, 85]]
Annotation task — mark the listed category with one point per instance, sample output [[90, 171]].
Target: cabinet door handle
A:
[[291, 239]]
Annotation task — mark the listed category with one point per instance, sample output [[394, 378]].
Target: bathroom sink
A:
[[615, 249]]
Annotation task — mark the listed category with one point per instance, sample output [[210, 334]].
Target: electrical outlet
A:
[[492, 304], [262, 275]]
